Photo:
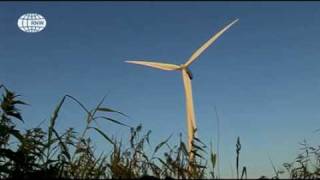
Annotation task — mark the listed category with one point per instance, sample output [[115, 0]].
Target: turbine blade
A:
[[191, 121], [208, 43], [189, 97], [162, 66]]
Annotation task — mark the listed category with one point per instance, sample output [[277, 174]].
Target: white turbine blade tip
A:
[[137, 62], [236, 20], [157, 65], [130, 61], [213, 38]]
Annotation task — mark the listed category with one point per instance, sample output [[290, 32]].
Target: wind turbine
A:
[[187, 77]]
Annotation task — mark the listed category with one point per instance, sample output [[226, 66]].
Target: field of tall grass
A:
[[45, 153]]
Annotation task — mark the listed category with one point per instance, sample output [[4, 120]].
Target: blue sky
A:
[[262, 74]]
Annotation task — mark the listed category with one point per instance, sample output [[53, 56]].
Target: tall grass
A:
[[46, 153]]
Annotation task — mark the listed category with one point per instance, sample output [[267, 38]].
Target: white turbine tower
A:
[[187, 77]]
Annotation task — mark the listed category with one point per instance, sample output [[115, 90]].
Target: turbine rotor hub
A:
[[183, 66]]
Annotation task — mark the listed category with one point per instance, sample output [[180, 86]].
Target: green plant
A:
[[46, 153], [40, 153], [307, 163], [70, 154], [244, 168]]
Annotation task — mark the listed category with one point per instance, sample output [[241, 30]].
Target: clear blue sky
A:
[[263, 75]]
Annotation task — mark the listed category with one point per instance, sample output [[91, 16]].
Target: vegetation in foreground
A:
[[45, 153]]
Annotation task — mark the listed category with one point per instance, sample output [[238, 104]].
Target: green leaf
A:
[[112, 120], [103, 109], [19, 102], [184, 148], [161, 144], [55, 114], [16, 115], [213, 159], [103, 134], [16, 133], [197, 154], [198, 140], [65, 150], [196, 147], [244, 172], [164, 163], [147, 136], [139, 128], [53, 122]]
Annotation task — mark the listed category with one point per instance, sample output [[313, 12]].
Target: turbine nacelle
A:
[[187, 69], [189, 73]]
